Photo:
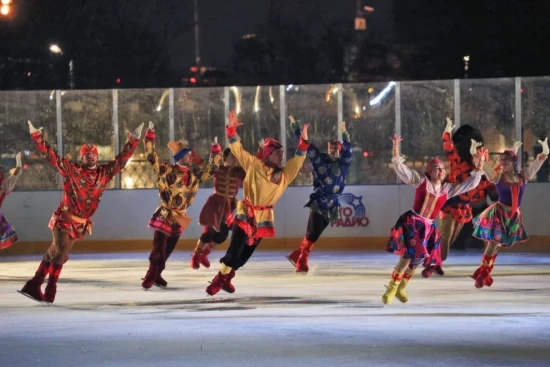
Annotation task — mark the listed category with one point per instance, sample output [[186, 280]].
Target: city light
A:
[[5, 10], [56, 49]]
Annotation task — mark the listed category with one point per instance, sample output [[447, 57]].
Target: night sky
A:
[[222, 23]]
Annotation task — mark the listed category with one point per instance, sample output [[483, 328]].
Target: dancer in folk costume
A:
[[329, 179], [7, 234], [218, 209], [178, 184], [457, 211], [415, 233], [266, 180], [83, 186], [501, 224]]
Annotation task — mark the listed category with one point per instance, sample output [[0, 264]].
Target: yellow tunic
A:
[[178, 186], [263, 186]]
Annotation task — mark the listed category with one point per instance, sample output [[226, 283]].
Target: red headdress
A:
[[430, 166], [88, 148]]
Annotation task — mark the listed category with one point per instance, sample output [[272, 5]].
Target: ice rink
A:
[[331, 317]]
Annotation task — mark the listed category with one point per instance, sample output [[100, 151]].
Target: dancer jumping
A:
[[263, 186], [329, 179], [457, 211], [501, 224], [415, 233], [83, 186]]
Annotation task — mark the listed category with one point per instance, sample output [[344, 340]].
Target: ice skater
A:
[[330, 171], [83, 186], [415, 233], [178, 184], [8, 236], [501, 224]]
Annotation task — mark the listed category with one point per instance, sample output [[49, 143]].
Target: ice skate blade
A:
[[156, 285], [290, 260], [34, 299]]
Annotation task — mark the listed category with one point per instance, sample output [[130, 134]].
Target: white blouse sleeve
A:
[[465, 186], [492, 175], [531, 171], [405, 174], [9, 184]]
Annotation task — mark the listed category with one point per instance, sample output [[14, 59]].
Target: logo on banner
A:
[[352, 212]]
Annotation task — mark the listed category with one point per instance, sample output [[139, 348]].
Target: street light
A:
[[54, 48], [6, 7], [466, 65]]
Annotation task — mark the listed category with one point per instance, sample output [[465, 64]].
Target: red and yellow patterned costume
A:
[[82, 190], [460, 207], [178, 185], [8, 236], [82, 187]]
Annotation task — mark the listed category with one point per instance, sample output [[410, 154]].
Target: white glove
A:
[[545, 149], [474, 146], [151, 126], [19, 162], [261, 143], [32, 129], [450, 126], [517, 144], [137, 132], [292, 120]]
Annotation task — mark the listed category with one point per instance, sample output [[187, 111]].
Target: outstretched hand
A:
[[473, 147], [32, 129], [545, 149], [450, 126], [396, 139], [233, 119], [342, 127], [151, 126], [304, 135], [18, 160]]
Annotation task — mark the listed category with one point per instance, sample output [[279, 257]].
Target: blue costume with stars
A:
[[329, 180], [329, 177]]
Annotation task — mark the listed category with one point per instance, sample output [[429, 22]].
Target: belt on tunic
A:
[[224, 195], [257, 207], [75, 218]]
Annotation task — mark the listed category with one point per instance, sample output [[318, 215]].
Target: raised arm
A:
[[448, 145], [346, 153], [207, 169], [244, 158], [293, 166], [120, 161], [530, 172], [9, 183], [150, 150], [62, 165], [405, 174]]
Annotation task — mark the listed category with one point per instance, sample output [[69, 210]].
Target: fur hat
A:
[[179, 149]]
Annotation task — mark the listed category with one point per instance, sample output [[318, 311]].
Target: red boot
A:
[[482, 275], [197, 259], [159, 281], [32, 288], [305, 250], [218, 283], [428, 271], [227, 286], [51, 287], [150, 277], [293, 257], [203, 259]]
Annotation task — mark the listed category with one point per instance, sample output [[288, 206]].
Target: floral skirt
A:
[[413, 237], [7, 234], [499, 224]]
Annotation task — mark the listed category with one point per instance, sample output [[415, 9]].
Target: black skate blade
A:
[[34, 299], [290, 260]]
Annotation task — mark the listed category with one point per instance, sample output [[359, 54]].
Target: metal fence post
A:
[[116, 134], [226, 107], [519, 127], [398, 116], [457, 102], [171, 119], [340, 98], [282, 119], [59, 127]]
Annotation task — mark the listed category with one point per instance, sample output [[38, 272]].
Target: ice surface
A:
[[331, 317]]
